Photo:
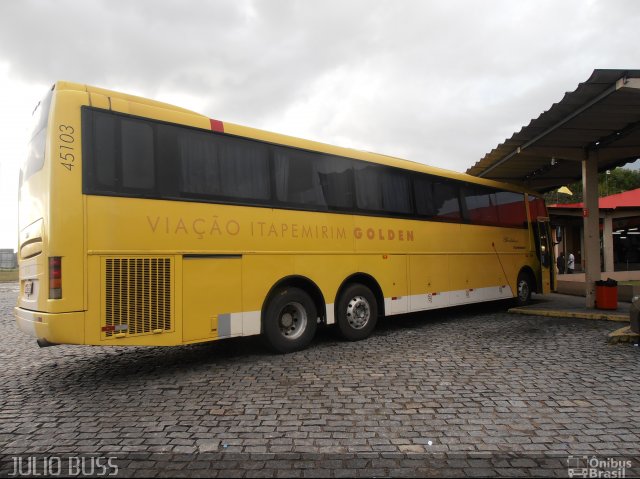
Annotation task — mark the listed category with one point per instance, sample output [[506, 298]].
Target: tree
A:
[[617, 181]]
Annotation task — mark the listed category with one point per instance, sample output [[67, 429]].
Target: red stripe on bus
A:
[[216, 125]]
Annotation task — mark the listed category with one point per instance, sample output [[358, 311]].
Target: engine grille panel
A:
[[137, 296]]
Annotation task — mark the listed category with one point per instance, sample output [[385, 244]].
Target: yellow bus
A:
[[146, 224]]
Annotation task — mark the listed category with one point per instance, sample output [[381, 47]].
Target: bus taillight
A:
[[55, 277]]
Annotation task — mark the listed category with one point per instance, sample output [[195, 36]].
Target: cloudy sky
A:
[[435, 81]]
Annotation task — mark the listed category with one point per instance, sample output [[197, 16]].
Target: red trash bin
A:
[[607, 294]]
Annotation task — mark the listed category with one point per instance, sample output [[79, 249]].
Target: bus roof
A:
[[278, 138]]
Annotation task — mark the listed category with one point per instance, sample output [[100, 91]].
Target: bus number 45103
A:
[[66, 146]]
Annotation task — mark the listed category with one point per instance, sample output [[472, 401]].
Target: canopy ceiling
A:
[[599, 120]]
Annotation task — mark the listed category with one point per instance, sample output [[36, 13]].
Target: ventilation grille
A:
[[137, 295]]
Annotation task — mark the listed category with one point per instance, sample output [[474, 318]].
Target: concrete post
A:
[[591, 216], [607, 240]]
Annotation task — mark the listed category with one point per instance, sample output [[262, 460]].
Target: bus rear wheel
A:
[[357, 312], [290, 320], [524, 288]]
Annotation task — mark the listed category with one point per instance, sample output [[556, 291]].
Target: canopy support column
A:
[[591, 216], [607, 243]]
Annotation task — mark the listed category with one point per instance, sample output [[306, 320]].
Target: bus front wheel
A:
[[357, 312], [525, 288], [290, 320]]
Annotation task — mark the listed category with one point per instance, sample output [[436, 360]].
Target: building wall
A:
[[619, 243], [8, 259]]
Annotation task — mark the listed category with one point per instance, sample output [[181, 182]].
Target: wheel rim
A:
[[523, 290], [358, 312], [292, 320]]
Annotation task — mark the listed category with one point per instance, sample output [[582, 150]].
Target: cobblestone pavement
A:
[[464, 392]]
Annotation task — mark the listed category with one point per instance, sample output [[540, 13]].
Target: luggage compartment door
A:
[[212, 297]]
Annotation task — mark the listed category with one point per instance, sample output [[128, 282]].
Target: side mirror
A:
[[558, 233], [544, 258]]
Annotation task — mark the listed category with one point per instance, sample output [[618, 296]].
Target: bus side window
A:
[[219, 167], [105, 164], [198, 157], [396, 192], [138, 166], [424, 196], [511, 209], [537, 208], [244, 169], [336, 179], [447, 200], [295, 179], [480, 205], [382, 189]]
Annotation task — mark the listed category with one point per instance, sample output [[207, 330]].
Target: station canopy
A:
[[600, 121]]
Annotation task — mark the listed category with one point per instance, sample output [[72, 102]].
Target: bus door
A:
[[544, 252]]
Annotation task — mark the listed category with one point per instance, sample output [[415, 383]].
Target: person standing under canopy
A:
[[561, 263], [571, 263]]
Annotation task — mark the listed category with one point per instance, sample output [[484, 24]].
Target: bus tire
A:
[[357, 312], [524, 287], [290, 320]]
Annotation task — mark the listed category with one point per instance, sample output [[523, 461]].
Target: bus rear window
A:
[[35, 154], [38, 138]]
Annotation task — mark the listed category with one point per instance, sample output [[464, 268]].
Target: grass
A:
[[8, 275]]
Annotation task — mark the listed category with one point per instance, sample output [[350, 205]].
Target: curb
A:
[[623, 335], [571, 314]]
